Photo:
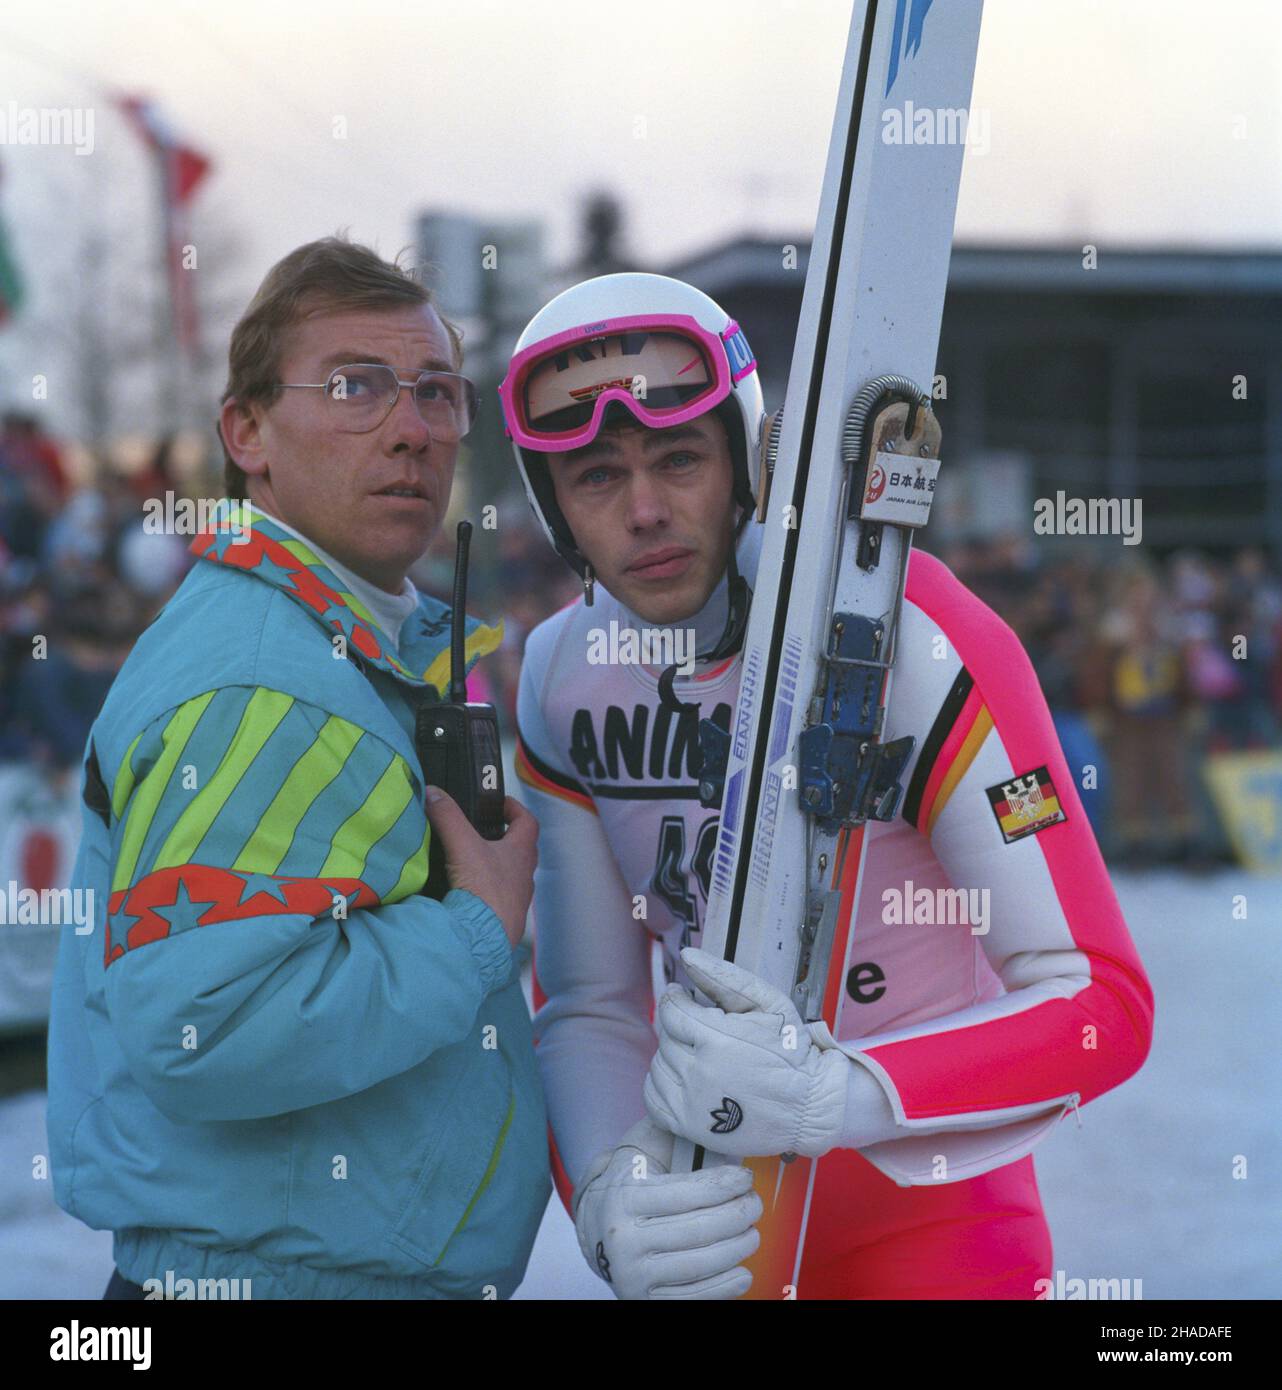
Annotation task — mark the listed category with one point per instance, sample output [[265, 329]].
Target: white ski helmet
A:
[[625, 341]]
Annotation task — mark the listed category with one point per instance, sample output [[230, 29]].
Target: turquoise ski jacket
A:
[[272, 1058]]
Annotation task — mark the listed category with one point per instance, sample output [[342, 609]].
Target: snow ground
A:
[[1144, 1189]]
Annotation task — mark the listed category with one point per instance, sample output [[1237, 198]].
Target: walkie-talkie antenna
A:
[[458, 680]]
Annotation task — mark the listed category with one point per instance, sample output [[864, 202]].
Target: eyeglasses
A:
[[360, 396]]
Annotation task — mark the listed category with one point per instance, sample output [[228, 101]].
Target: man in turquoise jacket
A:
[[272, 1059]]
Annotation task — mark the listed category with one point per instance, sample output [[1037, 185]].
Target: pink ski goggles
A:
[[664, 368]]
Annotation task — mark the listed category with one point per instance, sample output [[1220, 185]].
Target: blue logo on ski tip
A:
[[789, 668], [906, 44], [726, 834]]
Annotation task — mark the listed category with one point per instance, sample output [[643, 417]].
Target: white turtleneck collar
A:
[[389, 611]]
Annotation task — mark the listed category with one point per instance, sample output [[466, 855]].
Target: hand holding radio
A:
[[457, 741], [499, 872]]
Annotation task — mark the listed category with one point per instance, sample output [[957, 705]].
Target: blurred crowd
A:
[[1149, 666], [80, 578]]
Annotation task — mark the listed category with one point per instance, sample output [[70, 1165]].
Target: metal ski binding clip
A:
[[895, 481], [846, 775]]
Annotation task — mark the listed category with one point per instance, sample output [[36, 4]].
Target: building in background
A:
[[1157, 375]]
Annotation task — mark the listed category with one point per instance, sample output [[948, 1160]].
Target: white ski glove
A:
[[743, 1077], [650, 1233]]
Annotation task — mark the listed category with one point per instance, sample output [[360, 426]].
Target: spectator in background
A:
[[157, 477], [152, 562], [1001, 570], [57, 696], [26, 609], [34, 457], [1150, 703], [1252, 611], [1059, 628], [79, 538], [26, 505]]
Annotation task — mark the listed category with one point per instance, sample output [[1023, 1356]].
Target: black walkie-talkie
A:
[[457, 741]]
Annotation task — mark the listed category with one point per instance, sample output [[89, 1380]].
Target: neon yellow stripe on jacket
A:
[[369, 823], [310, 775], [414, 874], [177, 732], [125, 779], [265, 710]]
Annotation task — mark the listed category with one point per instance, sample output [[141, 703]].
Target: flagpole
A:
[[168, 375], [179, 169]]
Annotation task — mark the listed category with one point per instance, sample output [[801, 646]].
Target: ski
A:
[[803, 770]]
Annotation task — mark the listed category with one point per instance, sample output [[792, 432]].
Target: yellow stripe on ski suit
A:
[[979, 731]]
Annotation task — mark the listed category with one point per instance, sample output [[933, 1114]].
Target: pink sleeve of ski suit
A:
[[1072, 1014]]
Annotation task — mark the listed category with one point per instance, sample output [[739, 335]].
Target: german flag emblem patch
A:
[[1025, 805]]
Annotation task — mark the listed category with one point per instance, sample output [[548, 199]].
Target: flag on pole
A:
[[182, 169]]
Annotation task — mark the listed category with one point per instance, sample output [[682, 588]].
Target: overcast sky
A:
[[1136, 121]]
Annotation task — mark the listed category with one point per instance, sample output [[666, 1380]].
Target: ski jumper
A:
[[974, 1036]]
